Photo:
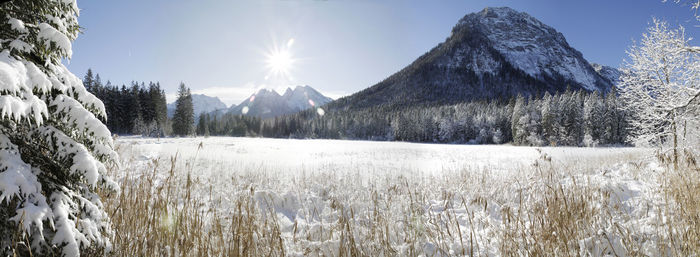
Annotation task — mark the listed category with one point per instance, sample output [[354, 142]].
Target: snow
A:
[[18, 179], [268, 103], [84, 163], [300, 182], [69, 137], [304, 97], [17, 25], [21, 46], [52, 35], [201, 104], [11, 72], [531, 46], [66, 231], [80, 118], [608, 72], [24, 98]]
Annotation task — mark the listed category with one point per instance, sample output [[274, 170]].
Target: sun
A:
[[279, 61]]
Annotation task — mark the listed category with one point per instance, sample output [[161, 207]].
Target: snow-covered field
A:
[[387, 198], [290, 156]]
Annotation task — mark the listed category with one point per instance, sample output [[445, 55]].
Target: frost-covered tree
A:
[[53, 148], [593, 114], [518, 121], [549, 123], [183, 119], [694, 5], [660, 81]]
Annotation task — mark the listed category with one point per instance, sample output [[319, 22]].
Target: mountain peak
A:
[[494, 53], [201, 104], [266, 91], [494, 12], [268, 103]]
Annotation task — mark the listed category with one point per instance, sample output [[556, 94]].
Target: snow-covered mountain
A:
[[304, 97], [268, 103], [200, 104], [494, 53], [610, 73]]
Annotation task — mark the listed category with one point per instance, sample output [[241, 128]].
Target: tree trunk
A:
[[675, 141]]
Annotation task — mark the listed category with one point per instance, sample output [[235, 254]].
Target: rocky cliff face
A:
[[495, 53]]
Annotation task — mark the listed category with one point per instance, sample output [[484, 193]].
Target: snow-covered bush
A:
[[53, 148]]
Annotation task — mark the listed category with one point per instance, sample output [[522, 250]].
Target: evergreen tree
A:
[[613, 119], [183, 119], [517, 122], [549, 124], [97, 83], [88, 81], [202, 126], [53, 148], [159, 108]]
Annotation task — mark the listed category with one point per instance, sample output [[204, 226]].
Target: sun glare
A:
[[279, 60]]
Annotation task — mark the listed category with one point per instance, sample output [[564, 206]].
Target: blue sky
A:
[[340, 46]]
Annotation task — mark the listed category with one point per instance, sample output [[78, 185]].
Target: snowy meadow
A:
[[254, 196]]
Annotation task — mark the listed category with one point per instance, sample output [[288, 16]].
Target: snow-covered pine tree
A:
[[183, 119], [593, 112], [518, 124], [660, 79], [612, 120], [53, 148], [534, 123], [549, 124]]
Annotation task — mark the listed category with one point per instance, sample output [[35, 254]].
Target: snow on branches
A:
[[660, 81], [54, 150]]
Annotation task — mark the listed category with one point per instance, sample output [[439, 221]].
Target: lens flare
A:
[[245, 110]]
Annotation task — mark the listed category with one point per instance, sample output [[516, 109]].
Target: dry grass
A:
[[161, 217], [551, 209], [681, 188]]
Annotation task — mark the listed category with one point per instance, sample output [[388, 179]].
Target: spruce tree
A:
[[201, 125], [54, 151], [89, 80], [517, 125], [183, 119]]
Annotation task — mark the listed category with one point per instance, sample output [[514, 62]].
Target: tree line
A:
[[141, 109], [571, 118]]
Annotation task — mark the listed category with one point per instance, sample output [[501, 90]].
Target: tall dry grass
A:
[[160, 216], [553, 208], [681, 191]]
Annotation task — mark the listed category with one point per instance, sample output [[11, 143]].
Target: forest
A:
[[138, 109], [570, 118]]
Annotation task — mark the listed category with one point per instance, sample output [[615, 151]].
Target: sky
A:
[[227, 48]]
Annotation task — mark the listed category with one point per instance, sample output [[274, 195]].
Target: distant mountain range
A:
[[494, 53], [201, 104], [265, 103], [268, 103]]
